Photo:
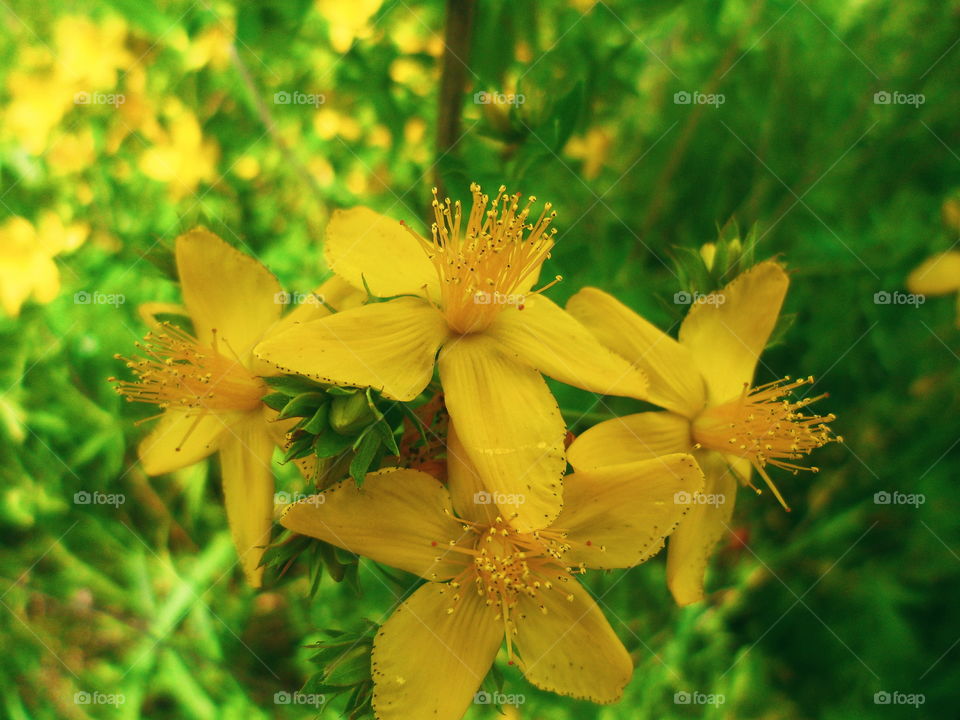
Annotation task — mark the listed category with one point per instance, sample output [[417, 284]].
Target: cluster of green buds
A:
[[347, 430], [710, 267]]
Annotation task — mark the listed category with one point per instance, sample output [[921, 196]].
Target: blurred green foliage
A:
[[811, 612]]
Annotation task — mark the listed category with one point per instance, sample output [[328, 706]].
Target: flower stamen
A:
[[483, 264], [177, 372], [764, 427]]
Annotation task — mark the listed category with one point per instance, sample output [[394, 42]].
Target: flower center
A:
[[506, 564], [483, 264], [765, 427], [177, 372]]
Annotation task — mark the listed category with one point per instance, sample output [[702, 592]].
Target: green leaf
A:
[[366, 450], [276, 401], [318, 422], [303, 405], [330, 443]]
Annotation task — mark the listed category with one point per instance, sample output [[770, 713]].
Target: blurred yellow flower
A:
[[412, 73], [211, 47], [329, 123], [181, 157], [86, 58], [138, 113], [72, 152], [592, 148], [246, 167], [27, 267], [89, 54], [38, 101], [348, 21], [704, 382], [938, 275], [412, 36]]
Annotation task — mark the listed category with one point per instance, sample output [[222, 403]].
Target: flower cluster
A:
[[485, 510]]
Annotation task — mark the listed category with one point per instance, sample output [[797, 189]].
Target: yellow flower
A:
[[208, 385], [489, 581], [38, 102], [704, 383], [89, 54], [467, 294], [27, 267], [72, 152], [348, 21], [938, 275], [181, 157]]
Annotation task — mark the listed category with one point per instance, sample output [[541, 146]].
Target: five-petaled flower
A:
[[208, 384], [466, 293], [489, 580], [704, 382]]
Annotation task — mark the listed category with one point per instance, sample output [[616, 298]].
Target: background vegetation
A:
[[810, 614]]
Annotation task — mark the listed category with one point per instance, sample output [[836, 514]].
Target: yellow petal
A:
[[936, 275], [334, 293], [363, 245], [630, 438], [428, 663], [570, 649], [675, 381], [45, 277], [400, 518], [544, 336], [389, 346], [180, 439], [692, 543], [726, 338], [619, 516], [226, 290], [510, 426], [246, 452], [470, 497]]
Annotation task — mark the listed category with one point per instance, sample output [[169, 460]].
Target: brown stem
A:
[[453, 80]]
